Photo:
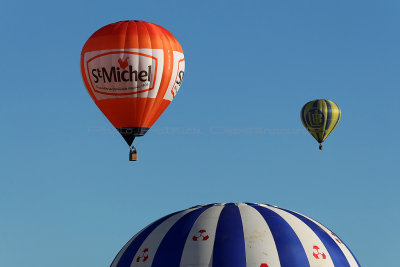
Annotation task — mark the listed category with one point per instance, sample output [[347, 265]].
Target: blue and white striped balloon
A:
[[242, 234]]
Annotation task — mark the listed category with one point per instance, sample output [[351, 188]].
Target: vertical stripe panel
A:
[[320, 130], [147, 102], [328, 118], [170, 250], [335, 118], [316, 252], [290, 250], [229, 248], [200, 241], [335, 252], [259, 242], [324, 109], [136, 108], [125, 256], [150, 245], [346, 251]]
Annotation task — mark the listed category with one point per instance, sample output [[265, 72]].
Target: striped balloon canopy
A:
[[320, 117], [235, 234]]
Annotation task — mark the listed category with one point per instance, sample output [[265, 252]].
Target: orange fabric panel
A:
[[121, 113], [151, 109], [126, 34]]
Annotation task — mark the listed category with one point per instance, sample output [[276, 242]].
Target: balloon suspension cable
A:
[[320, 146], [132, 148]]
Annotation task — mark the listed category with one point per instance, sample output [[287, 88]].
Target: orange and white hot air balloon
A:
[[132, 70]]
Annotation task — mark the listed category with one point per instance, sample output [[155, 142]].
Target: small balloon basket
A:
[[133, 156]]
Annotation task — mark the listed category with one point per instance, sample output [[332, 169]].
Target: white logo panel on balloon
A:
[[124, 73], [178, 72]]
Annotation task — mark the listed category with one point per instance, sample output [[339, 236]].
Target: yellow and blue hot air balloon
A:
[[320, 117]]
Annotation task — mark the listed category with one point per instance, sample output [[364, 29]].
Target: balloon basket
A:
[[133, 156]]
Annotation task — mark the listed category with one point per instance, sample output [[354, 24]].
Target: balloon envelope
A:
[[242, 234], [132, 70], [320, 117]]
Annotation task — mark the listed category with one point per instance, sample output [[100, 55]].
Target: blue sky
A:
[[70, 197]]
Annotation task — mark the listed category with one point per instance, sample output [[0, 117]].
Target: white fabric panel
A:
[[307, 238], [342, 246], [176, 77], [199, 253], [122, 251], [259, 242], [110, 58], [152, 242]]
